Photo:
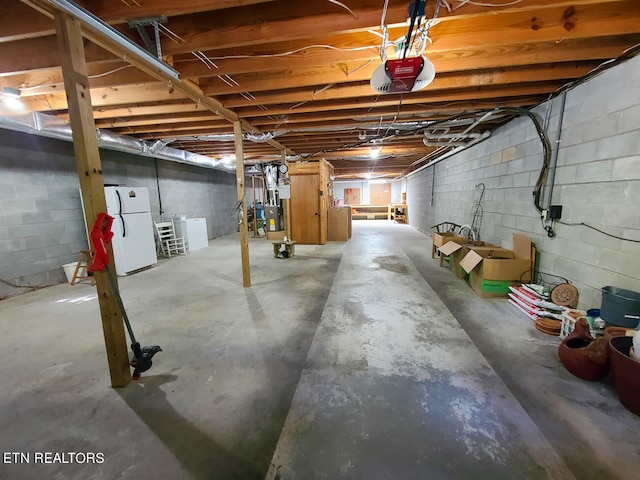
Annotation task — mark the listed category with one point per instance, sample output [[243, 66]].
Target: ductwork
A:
[[230, 137], [37, 123], [486, 134]]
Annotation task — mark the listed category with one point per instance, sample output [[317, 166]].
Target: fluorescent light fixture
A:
[[375, 152], [367, 176], [229, 159]]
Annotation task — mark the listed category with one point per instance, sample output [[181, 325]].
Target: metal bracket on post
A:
[[140, 24]]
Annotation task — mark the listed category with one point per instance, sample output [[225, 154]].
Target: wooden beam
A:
[[443, 81], [109, 96], [119, 12], [278, 22], [18, 22], [143, 63], [161, 120], [14, 26], [89, 169], [553, 24], [333, 110], [459, 61], [39, 53], [194, 68], [244, 228], [13, 13], [355, 119], [141, 110], [112, 74]]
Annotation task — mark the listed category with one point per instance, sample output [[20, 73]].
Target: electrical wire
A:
[[340, 4], [298, 50], [462, 3], [570, 224], [546, 150], [98, 75], [414, 15]]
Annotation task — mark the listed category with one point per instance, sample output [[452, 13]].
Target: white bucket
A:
[[69, 268]]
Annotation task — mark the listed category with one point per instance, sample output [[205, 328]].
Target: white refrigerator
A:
[[133, 242]]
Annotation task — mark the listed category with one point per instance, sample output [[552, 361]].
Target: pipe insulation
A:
[[36, 123]]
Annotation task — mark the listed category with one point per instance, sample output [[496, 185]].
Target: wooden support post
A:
[[244, 230], [85, 145], [286, 206]]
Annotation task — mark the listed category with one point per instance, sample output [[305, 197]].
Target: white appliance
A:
[[193, 231], [134, 246]]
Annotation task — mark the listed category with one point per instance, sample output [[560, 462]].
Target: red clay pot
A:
[[626, 373], [611, 332], [583, 356]]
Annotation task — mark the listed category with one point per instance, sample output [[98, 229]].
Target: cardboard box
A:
[[492, 269], [489, 288], [452, 251], [339, 224], [440, 239], [456, 252]]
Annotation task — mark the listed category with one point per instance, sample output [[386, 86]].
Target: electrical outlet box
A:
[[555, 212]]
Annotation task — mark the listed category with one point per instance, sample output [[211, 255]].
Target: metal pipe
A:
[[486, 134], [554, 154]]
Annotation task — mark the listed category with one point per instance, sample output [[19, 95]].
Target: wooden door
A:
[[305, 209], [352, 196], [379, 193]]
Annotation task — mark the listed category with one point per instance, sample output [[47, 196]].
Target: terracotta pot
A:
[[626, 373], [583, 356], [611, 332]]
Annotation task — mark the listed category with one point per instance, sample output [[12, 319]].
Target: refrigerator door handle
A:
[[124, 228], [119, 202]]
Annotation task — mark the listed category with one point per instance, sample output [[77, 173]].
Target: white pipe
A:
[[486, 134]]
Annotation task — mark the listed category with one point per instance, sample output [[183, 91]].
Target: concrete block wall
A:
[[597, 181], [41, 222]]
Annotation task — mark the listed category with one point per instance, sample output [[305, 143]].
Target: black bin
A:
[[620, 307]]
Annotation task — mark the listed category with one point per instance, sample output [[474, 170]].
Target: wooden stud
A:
[[244, 230], [85, 144], [286, 206]]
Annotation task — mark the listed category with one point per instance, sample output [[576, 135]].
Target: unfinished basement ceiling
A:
[[299, 71]]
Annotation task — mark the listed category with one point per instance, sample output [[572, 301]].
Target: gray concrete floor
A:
[[357, 360]]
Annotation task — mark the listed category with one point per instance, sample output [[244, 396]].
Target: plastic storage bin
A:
[[620, 307]]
